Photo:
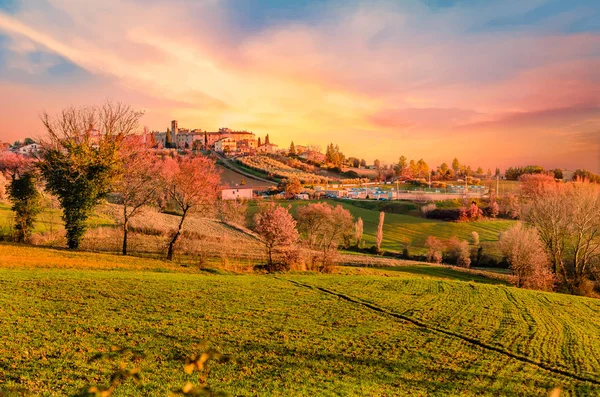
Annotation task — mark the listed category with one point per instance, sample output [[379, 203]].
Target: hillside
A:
[[232, 177], [402, 229], [360, 332]]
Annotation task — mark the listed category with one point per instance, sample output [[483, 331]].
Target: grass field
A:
[[401, 229], [383, 332], [51, 219]]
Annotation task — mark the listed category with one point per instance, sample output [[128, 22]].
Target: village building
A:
[[267, 148], [30, 149], [237, 194], [311, 155], [300, 149], [182, 138], [226, 145], [246, 146]]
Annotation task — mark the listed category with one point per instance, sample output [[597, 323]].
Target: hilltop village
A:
[[225, 140]]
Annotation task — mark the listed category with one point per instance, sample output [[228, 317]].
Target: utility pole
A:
[[497, 184], [430, 180]]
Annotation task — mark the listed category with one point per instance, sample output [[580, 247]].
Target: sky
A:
[[494, 83]]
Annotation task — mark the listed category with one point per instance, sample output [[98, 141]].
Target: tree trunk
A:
[[125, 232], [175, 237]]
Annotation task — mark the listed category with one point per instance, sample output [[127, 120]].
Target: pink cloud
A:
[[367, 76]]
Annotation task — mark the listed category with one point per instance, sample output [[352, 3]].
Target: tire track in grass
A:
[[446, 332]]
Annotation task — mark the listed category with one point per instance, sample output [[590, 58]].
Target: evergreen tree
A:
[[455, 165], [292, 151], [26, 203], [168, 140]]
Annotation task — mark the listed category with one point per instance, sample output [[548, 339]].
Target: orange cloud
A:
[[378, 79]]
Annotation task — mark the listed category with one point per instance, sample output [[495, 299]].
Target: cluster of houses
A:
[[28, 150], [225, 140]]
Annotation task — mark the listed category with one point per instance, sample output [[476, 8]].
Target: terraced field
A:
[[420, 335]]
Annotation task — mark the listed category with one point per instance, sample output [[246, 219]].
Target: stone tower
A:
[[174, 130]]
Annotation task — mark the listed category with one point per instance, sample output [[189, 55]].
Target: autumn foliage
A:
[[192, 185], [326, 227], [277, 229]]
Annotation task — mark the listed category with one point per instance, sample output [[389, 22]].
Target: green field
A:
[[50, 219], [418, 331], [401, 229]]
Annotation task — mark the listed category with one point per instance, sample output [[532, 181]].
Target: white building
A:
[[29, 149], [237, 194]]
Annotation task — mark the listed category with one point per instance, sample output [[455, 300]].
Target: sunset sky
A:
[[495, 83]]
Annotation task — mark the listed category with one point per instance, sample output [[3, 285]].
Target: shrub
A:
[[463, 214], [475, 238], [444, 214], [428, 208], [458, 252], [436, 249], [493, 209], [474, 212], [406, 252]]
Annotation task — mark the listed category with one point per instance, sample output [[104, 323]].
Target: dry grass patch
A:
[[18, 256]]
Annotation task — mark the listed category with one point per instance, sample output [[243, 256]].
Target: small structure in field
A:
[[302, 196], [237, 194]]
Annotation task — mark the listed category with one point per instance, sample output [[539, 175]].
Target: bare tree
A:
[[533, 185], [567, 219], [524, 251], [311, 221], [233, 211], [140, 183], [327, 227]]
